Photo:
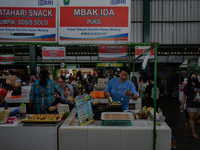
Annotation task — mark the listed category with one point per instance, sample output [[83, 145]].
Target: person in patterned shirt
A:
[[42, 93]]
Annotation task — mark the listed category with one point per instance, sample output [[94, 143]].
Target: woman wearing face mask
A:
[[68, 91], [191, 95]]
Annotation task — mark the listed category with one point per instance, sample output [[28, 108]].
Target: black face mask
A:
[[194, 80]]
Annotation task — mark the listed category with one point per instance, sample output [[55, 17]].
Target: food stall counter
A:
[[98, 137], [29, 137]]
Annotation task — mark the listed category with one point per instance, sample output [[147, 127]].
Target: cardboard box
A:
[[10, 79], [25, 90], [15, 84]]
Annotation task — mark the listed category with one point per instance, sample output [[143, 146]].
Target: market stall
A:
[[98, 137], [29, 137]]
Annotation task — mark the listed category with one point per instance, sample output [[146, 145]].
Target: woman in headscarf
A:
[[42, 93], [66, 98]]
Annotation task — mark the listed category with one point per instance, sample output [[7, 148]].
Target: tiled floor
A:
[[175, 120]]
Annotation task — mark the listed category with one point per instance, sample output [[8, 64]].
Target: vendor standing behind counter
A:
[[42, 93], [120, 89]]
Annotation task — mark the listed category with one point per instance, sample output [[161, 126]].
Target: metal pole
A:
[[129, 57], [198, 66], [155, 85], [179, 75], [146, 18], [134, 66], [14, 55], [65, 73], [53, 70], [129, 61]]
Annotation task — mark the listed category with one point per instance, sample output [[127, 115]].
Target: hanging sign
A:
[[71, 67], [6, 59], [96, 21], [111, 64], [112, 52], [193, 64], [141, 50], [28, 21], [53, 52]]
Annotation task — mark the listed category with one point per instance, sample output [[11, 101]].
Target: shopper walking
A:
[[149, 94], [144, 80], [135, 83], [42, 93], [192, 97]]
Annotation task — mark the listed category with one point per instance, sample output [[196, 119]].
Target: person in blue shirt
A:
[[121, 89], [42, 93], [3, 93]]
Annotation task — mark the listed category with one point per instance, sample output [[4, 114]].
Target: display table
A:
[[16, 99], [29, 137], [139, 136]]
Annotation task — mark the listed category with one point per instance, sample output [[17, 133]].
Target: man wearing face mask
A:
[[192, 97]]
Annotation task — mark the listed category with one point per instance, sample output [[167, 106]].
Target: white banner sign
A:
[[28, 21], [94, 21], [141, 49]]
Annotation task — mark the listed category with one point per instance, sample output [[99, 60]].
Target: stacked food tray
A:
[[42, 119], [116, 118]]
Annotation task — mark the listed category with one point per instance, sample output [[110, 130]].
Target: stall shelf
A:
[[29, 137], [98, 137], [137, 103], [26, 100]]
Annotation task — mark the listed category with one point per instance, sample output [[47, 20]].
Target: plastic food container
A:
[[97, 94], [4, 117], [63, 108], [116, 116]]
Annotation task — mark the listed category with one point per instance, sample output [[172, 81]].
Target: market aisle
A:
[[175, 120]]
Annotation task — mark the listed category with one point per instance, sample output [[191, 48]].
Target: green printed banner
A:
[[193, 64]]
